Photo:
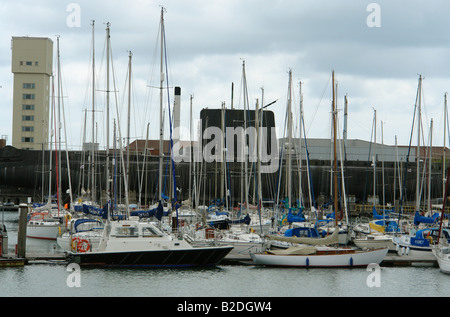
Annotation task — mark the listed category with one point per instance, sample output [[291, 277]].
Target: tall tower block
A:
[[31, 64]]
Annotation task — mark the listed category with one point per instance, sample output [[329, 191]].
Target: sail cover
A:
[[303, 250], [418, 219], [331, 239]]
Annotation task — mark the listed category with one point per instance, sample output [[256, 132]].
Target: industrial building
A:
[[31, 64]]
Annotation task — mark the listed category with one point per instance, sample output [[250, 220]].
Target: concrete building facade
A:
[[32, 66]]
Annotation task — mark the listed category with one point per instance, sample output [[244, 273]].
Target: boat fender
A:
[[351, 261], [407, 251], [74, 243], [403, 251], [307, 262], [67, 218], [397, 247]]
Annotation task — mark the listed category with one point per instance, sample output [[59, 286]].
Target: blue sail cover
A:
[[376, 216], [246, 220], [295, 218], [390, 226], [418, 219], [302, 232], [157, 212], [95, 211]]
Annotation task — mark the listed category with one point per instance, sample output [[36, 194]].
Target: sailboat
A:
[[441, 250], [48, 220], [424, 233], [320, 252], [378, 232], [133, 242]]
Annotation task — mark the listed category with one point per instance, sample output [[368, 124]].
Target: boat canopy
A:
[[302, 232], [387, 214], [295, 218], [80, 222], [418, 219]]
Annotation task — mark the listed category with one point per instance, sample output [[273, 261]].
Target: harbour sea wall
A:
[[24, 176]]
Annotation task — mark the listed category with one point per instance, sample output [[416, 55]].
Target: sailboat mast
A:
[[418, 144], [288, 153], [335, 155], [443, 150], [93, 187], [429, 166], [52, 111], [129, 109], [58, 169], [62, 123], [245, 139], [160, 178], [190, 153], [107, 111], [300, 152]]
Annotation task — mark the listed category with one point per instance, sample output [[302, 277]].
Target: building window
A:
[[27, 107], [28, 96], [27, 118], [29, 63], [28, 85], [36, 63], [27, 129], [27, 139]]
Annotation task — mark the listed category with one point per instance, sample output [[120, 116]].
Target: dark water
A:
[[57, 280]]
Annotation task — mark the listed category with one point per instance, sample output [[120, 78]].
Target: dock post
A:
[[22, 231]]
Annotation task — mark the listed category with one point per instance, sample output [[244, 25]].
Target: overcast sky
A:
[[377, 49]]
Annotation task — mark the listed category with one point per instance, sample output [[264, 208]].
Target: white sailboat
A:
[[375, 241], [49, 220], [442, 249], [320, 252], [81, 233], [132, 242], [43, 226]]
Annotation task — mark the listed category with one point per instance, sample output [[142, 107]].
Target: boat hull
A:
[[66, 242], [443, 259], [201, 256], [375, 243], [405, 249], [46, 232], [242, 250], [344, 259], [444, 264]]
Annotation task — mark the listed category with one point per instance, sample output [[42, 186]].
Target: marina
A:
[[247, 209], [48, 252]]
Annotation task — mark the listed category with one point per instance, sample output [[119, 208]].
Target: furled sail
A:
[[331, 239], [303, 250]]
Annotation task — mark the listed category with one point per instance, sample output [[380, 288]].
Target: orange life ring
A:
[[83, 245], [80, 245]]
